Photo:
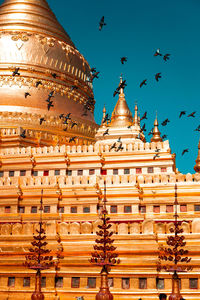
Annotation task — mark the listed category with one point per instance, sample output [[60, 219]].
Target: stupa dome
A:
[[32, 40]]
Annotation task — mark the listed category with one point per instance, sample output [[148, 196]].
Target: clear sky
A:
[[136, 29]]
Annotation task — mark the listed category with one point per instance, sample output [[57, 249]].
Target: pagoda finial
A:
[[104, 115], [156, 133], [197, 166], [136, 119], [121, 116]]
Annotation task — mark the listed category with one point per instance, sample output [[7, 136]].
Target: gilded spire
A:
[[31, 16], [136, 117], [197, 166], [156, 133], [121, 116], [104, 115]]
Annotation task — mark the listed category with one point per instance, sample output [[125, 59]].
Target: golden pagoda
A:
[[71, 164]]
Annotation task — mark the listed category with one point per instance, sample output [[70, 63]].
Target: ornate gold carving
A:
[[46, 42], [23, 36]]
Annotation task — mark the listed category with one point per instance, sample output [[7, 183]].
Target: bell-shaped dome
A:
[[32, 40]]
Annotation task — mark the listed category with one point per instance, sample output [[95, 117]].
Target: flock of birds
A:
[[157, 76], [66, 118], [94, 74]]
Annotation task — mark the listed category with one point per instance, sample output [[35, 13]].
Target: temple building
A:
[[41, 150]]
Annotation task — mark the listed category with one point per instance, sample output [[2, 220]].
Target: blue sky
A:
[[136, 29]]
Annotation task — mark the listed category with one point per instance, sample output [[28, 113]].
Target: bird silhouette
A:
[[144, 116], [54, 75], [198, 128], [38, 83], [143, 128], [164, 123], [101, 23], [119, 148], [93, 70], [42, 120], [119, 140], [115, 93], [106, 118], [106, 132], [157, 53], [183, 112], [164, 136], [61, 116], [166, 57], [67, 117], [16, 72], [155, 156], [23, 134], [192, 114], [122, 85], [185, 151], [158, 76], [123, 59], [27, 94], [74, 124], [144, 82], [50, 104], [129, 127], [72, 139], [113, 146], [93, 76]]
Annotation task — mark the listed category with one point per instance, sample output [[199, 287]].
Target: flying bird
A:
[[16, 72], [113, 146], [157, 53], [158, 76], [101, 23], [49, 105], [93, 70], [23, 134], [197, 129], [54, 75], [143, 128], [123, 59], [164, 136], [144, 82], [74, 124], [192, 114], [42, 120], [184, 151], [166, 57], [156, 155], [115, 93], [38, 83], [61, 116], [106, 132], [164, 123], [72, 139], [119, 140], [106, 118], [119, 148], [122, 85], [183, 112], [144, 116], [27, 94]]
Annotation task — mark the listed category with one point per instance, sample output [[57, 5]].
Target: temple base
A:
[[104, 293]]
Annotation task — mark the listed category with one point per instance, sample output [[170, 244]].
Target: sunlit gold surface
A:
[[32, 39], [121, 115], [156, 133]]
